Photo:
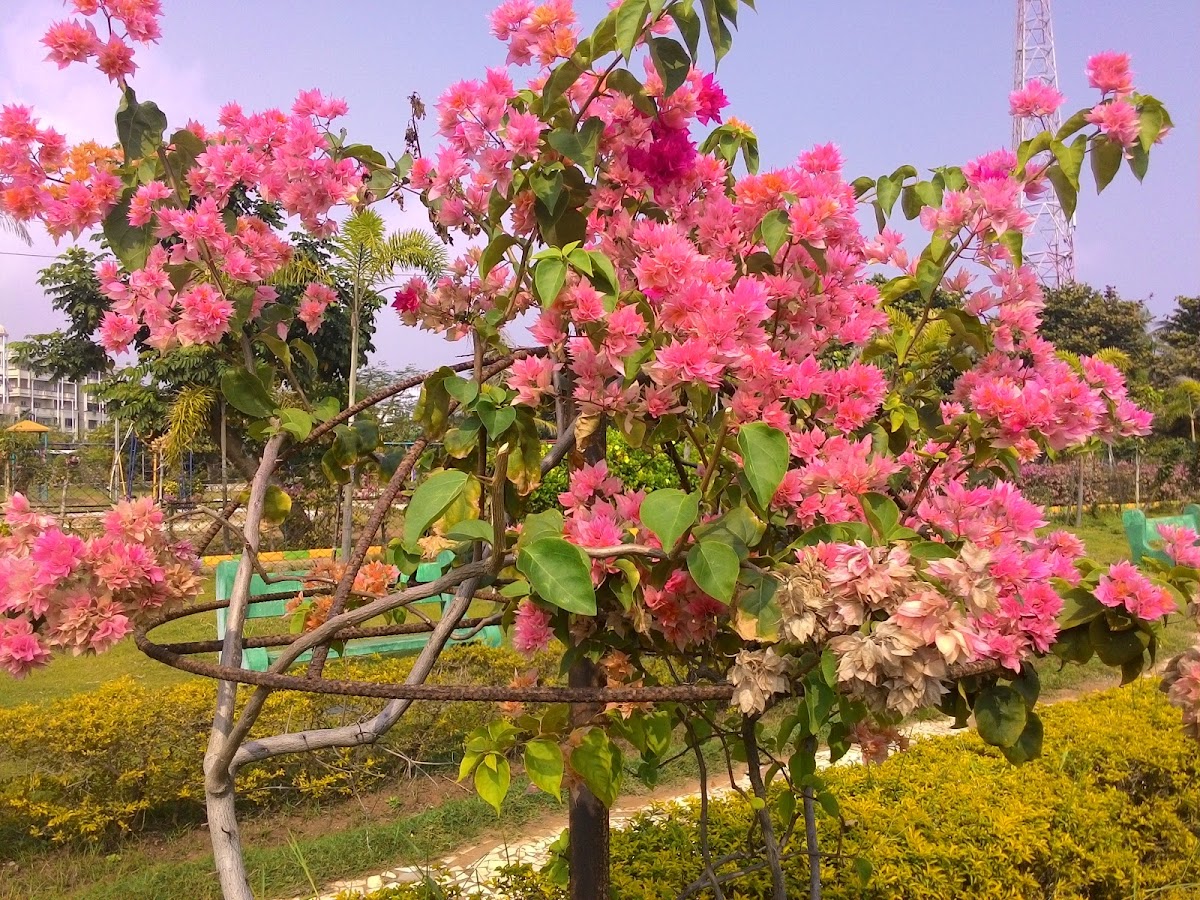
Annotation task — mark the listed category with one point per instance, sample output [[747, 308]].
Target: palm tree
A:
[[369, 259], [1183, 402], [12, 226]]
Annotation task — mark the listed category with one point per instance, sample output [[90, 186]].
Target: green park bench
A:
[[1142, 532], [258, 659]]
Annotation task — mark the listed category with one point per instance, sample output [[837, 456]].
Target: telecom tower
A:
[[1050, 243]]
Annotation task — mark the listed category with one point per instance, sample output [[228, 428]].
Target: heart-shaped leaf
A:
[[560, 574]]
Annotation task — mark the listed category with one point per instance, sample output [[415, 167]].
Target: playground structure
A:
[[81, 477]]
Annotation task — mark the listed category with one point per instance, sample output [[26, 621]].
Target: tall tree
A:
[[1085, 321], [1183, 404], [71, 284], [1179, 340]]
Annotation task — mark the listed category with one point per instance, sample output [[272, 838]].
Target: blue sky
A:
[[918, 81]]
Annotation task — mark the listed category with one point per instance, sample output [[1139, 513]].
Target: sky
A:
[[889, 81]]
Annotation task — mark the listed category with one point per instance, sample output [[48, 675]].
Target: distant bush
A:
[[1056, 483], [127, 757], [639, 470]]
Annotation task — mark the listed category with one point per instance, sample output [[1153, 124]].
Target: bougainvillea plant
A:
[[843, 547]]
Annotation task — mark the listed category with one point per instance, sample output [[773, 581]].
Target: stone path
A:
[[475, 866]]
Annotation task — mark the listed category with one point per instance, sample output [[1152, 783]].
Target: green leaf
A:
[[776, 229], [547, 187], [496, 421], [560, 573], [365, 154], [862, 184], [1029, 745], [579, 146], [1117, 647], [931, 550], [671, 62], [1079, 606], [492, 779], [1068, 196], [1106, 161], [631, 17], [305, 349], [1151, 119], [131, 245], [461, 389], [544, 765], [714, 566], [494, 252], [1039, 143], [1028, 685], [277, 504], [887, 192], [431, 498], [669, 513], [1073, 124], [602, 267], [565, 75], [538, 525], [882, 513], [471, 530], [758, 615], [688, 24], [296, 422], [1014, 240], [1139, 161], [597, 760], [627, 83], [246, 393], [1070, 158], [718, 32], [765, 457], [549, 276], [326, 408], [140, 126], [1000, 715]]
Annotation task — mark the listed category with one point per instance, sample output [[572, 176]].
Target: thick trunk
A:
[[587, 814]]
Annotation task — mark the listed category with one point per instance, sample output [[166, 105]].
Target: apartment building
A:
[[59, 403]]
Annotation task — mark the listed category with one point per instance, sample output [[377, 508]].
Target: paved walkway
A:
[[475, 867]]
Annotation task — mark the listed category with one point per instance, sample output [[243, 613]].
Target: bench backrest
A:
[[1142, 532], [257, 659]]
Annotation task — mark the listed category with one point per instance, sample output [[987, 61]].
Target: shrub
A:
[[127, 756], [639, 470], [1111, 810]]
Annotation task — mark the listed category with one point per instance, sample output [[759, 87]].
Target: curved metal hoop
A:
[[177, 655]]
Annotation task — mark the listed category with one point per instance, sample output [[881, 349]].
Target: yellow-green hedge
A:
[[1111, 811], [128, 756]]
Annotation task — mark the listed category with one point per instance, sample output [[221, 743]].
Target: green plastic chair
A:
[[259, 659], [1142, 532]]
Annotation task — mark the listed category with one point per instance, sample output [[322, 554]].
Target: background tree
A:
[[362, 259], [12, 226], [1182, 403], [1179, 341], [71, 284], [1083, 320]]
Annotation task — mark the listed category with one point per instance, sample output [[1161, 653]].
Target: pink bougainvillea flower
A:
[[1124, 586], [1037, 98], [1109, 72], [1118, 120], [531, 629]]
